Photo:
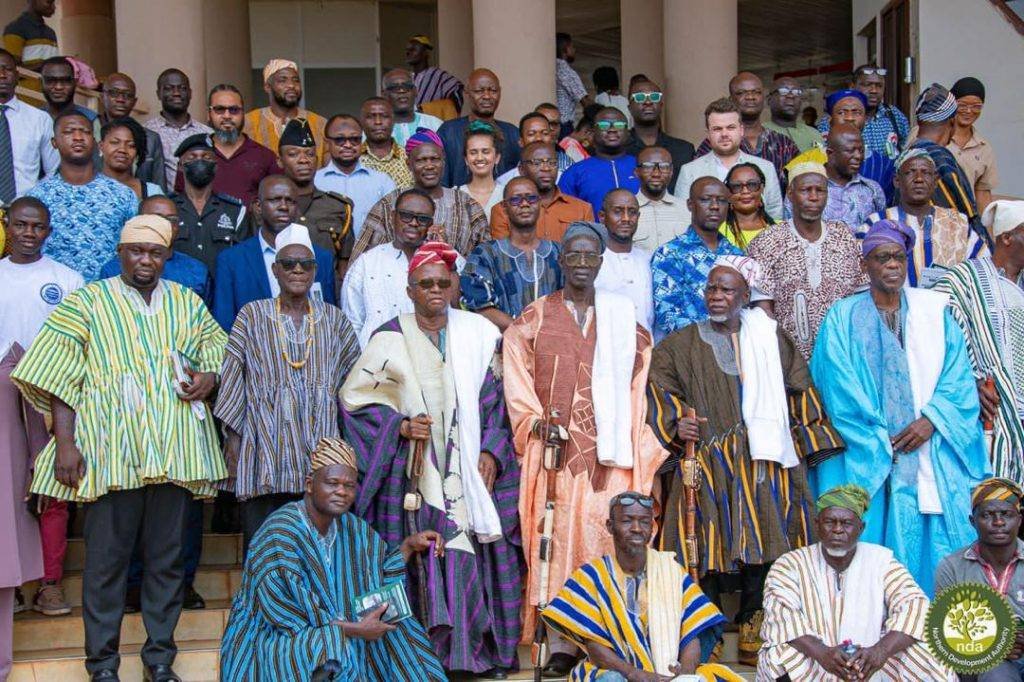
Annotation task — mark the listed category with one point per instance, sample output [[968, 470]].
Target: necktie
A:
[[8, 190]]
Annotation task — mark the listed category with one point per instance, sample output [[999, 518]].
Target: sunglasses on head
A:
[[289, 264], [429, 283], [642, 97], [629, 499], [421, 219], [609, 125]]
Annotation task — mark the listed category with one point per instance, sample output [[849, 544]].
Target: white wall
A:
[[959, 38]]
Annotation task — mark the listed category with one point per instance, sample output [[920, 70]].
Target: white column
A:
[[226, 44], [455, 37]]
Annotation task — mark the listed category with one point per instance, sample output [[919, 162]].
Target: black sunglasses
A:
[[421, 219], [307, 264]]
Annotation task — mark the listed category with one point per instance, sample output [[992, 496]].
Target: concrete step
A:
[[197, 661], [213, 582], [34, 632], [218, 550]]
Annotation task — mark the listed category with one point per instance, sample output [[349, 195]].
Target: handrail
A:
[[87, 97]]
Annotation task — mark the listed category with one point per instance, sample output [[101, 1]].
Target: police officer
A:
[[328, 215], [210, 221]]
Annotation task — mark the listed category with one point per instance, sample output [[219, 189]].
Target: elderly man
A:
[[173, 123], [663, 217], [998, 551], [424, 410], [626, 269], [433, 84], [503, 276], [753, 498], [380, 151], [119, 99], [283, 85], [610, 167], [458, 220], [810, 626], [973, 152], [540, 163], [285, 361], [725, 134], [399, 88], [667, 612], [646, 101], [892, 368], [943, 237], [312, 562], [784, 104], [484, 92], [986, 297], [114, 359], [886, 129], [680, 267], [578, 353], [809, 263]]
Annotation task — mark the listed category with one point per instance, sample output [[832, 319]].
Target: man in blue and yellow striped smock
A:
[[637, 609], [127, 441]]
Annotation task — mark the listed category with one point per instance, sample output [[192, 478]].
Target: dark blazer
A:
[[152, 169], [452, 134], [242, 278]]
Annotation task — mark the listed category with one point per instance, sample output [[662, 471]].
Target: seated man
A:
[[637, 611], [309, 562], [995, 514], [808, 619]]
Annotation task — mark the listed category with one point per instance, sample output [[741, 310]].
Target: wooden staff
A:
[[553, 463], [691, 483], [987, 424], [411, 503]]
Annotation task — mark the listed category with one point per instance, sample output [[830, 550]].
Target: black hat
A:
[[200, 141], [296, 133], [968, 85]]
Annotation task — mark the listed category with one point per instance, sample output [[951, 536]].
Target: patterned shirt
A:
[[679, 271], [805, 278], [879, 134], [402, 131], [569, 89], [86, 220], [851, 203], [953, 189], [771, 146], [433, 83], [171, 136], [499, 275], [392, 164]]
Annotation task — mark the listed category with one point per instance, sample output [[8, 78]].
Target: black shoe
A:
[[105, 676], [495, 674], [193, 600], [161, 672], [133, 599], [558, 665]]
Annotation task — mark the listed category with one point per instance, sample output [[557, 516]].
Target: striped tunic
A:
[[106, 354], [794, 607], [433, 83], [281, 412], [295, 586]]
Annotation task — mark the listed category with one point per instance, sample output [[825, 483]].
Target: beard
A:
[[837, 553], [286, 101], [718, 318], [228, 137]]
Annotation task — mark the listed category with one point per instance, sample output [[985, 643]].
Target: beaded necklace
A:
[[295, 364]]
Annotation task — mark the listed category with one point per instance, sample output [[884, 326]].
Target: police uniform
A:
[[221, 225], [328, 215]]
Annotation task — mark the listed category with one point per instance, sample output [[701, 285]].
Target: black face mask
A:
[[200, 172]]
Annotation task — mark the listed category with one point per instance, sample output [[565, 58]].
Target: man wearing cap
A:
[[400, 90], [173, 123], [944, 239], [994, 559], [114, 359], [758, 427], [936, 108], [986, 297], [458, 219], [328, 215], [809, 263], [283, 85], [423, 408], [665, 616], [973, 152], [886, 129], [209, 222], [581, 353], [245, 271], [285, 362], [433, 84], [894, 376], [296, 616], [842, 608]]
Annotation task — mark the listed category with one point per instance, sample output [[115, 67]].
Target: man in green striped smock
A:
[[123, 368]]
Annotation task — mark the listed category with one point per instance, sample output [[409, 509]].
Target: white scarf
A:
[[765, 407], [612, 378], [863, 594], [664, 608]]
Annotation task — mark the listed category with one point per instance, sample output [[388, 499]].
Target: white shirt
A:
[[28, 294], [403, 131], [629, 274], [269, 254], [661, 221], [31, 132], [496, 196], [710, 164]]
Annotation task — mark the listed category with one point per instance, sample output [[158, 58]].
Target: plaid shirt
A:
[[879, 135]]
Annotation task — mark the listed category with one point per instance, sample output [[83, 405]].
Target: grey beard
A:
[[837, 554], [718, 318], [227, 136]]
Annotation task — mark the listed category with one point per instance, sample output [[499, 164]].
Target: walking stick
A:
[[691, 483], [988, 425], [412, 503], [553, 463]]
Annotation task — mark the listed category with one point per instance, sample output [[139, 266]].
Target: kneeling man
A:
[[812, 632]]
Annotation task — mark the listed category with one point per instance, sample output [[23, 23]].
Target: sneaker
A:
[[750, 640], [50, 600], [19, 601]]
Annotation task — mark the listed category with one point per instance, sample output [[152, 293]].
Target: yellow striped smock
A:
[[106, 354]]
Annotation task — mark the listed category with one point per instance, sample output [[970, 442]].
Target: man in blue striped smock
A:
[[296, 617], [123, 368]]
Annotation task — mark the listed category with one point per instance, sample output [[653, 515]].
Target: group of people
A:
[[476, 384]]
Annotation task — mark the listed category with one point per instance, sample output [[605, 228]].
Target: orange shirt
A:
[[555, 216]]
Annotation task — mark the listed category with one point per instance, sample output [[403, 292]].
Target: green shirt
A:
[[802, 134]]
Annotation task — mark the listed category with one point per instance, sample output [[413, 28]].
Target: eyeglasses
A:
[[290, 264], [405, 86], [749, 186], [785, 91], [541, 163], [656, 165], [234, 110], [629, 499], [119, 94], [610, 125], [885, 258], [517, 200], [642, 97], [873, 71], [346, 139], [575, 259], [421, 219], [429, 283], [970, 108]]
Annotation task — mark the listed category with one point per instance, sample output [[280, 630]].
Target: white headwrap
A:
[[293, 234], [1003, 216]]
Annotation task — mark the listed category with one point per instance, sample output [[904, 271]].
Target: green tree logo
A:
[[970, 625]]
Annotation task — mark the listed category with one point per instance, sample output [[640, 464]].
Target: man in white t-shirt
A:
[[625, 269], [31, 286]]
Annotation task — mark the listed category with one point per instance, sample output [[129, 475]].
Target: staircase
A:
[[51, 648]]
